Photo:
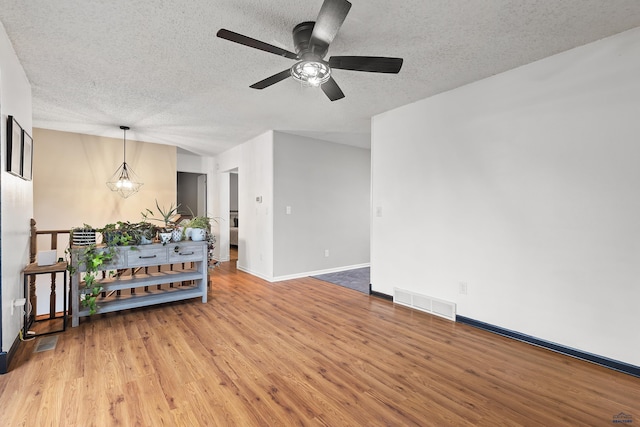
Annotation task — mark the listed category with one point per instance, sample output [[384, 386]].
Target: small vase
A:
[[165, 237]]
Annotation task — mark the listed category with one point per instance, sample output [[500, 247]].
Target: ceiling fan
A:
[[312, 40]]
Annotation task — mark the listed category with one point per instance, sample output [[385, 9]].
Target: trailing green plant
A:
[[145, 230], [85, 227], [119, 234], [92, 258]]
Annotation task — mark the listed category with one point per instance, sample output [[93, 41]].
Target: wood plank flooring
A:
[[300, 352]]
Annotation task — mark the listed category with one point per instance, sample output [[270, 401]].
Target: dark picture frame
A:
[[26, 167], [14, 147]]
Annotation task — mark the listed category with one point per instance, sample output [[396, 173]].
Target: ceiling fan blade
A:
[[272, 80], [256, 44], [332, 90], [330, 19], [372, 64]]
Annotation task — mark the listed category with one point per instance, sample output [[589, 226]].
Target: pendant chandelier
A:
[[124, 181]]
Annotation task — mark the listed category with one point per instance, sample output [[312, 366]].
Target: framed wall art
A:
[[14, 147], [26, 166]]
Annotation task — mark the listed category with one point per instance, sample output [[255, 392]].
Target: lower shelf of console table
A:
[[181, 274]]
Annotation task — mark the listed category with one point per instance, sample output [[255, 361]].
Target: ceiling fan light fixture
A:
[[311, 73]]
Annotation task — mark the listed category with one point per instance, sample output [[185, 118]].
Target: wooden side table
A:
[[34, 269]]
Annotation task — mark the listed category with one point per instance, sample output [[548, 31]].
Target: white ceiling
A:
[[158, 67]]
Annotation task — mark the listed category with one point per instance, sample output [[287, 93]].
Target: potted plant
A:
[[198, 227], [118, 234], [83, 236], [167, 216], [147, 232], [109, 233]]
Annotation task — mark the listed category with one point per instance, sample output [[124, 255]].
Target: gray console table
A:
[[184, 277]]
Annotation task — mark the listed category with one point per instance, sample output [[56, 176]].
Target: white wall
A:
[[327, 188], [222, 164], [525, 187], [253, 162], [16, 198], [192, 163], [255, 231]]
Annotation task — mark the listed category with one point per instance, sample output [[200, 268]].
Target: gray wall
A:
[[327, 187], [188, 193], [233, 191]]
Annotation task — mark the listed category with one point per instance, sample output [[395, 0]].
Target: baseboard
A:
[[319, 272], [568, 351], [380, 294], [301, 275], [253, 273], [5, 357]]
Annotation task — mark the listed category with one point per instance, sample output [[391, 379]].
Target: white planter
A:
[[198, 234], [83, 238]]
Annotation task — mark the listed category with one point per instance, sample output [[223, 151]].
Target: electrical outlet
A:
[[20, 302]]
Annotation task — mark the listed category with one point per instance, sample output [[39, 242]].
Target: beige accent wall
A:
[[70, 171]]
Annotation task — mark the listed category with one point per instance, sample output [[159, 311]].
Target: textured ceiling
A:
[[158, 67]]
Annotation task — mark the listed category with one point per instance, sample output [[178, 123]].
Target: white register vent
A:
[[425, 303]]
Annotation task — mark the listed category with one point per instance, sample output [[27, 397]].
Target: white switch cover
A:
[[379, 211], [288, 210], [463, 288]]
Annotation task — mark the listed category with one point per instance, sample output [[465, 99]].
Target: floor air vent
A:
[[46, 344], [431, 305]]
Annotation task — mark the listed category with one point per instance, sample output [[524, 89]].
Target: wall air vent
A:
[[425, 303]]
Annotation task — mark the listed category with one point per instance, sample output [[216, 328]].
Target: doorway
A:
[[192, 194], [234, 220]]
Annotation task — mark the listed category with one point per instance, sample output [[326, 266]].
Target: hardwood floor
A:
[[300, 352]]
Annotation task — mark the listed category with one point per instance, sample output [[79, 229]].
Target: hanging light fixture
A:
[[124, 181]]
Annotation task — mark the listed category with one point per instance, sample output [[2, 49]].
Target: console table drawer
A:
[[119, 259], [186, 252], [147, 256]]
